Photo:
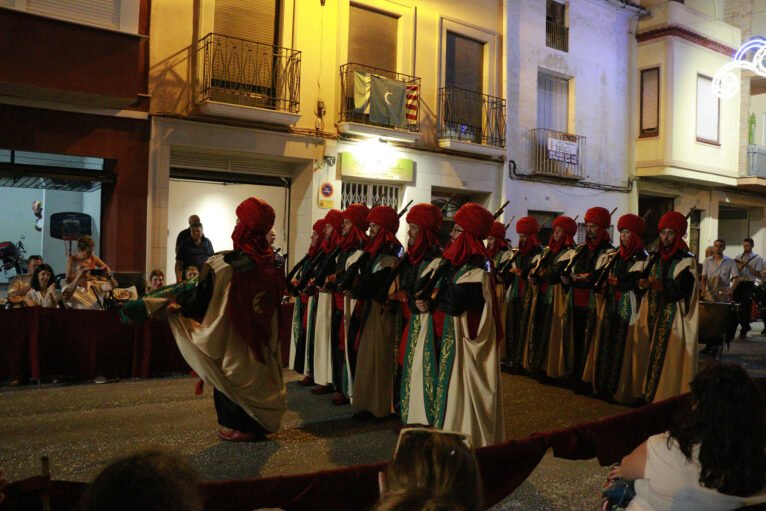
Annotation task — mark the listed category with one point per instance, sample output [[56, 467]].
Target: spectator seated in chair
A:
[[22, 284], [42, 292], [712, 458]]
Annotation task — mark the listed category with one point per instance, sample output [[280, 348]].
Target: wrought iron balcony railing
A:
[[379, 97], [248, 73], [756, 161], [556, 36], [557, 154], [471, 117]]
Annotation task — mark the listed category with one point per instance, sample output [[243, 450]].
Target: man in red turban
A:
[[372, 371], [302, 345], [231, 343], [496, 242], [519, 296], [668, 316], [550, 322], [588, 259], [328, 319], [609, 362], [354, 238], [469, 392], [417, 347]]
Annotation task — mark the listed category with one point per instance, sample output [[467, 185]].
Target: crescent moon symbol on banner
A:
[[385, 97]]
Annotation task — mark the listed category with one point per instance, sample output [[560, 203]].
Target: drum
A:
[[717, 324]]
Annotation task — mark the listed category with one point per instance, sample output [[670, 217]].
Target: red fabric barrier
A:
[[40, 343]]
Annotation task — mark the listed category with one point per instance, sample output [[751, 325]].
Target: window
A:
[[708, 112], [251, 20], [370, 194], [650, 102], [372, 37], [114, 14], [556, 31], [464, 73], [552, 102]]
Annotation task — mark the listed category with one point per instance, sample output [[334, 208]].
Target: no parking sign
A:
[[326, 192]]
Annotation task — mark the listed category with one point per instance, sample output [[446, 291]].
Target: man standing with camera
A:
[[750, 266]]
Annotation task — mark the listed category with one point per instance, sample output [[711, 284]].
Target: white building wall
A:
[[600, 67]]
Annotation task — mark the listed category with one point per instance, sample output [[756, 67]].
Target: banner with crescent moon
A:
[[387, 101]]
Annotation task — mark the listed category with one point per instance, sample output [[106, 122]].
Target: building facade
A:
[[74, 129]]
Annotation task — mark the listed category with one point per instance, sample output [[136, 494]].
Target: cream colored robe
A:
[[348, 309], [322, 370], [373, 388], [474, 400], [222, 359], [414, 389], [680, 363], [560, 359]]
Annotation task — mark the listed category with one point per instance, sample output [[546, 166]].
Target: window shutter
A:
[[101, 13], [708, 109], [552, 102], [372, 38], [650, 101], [253, 20], [465, 63]]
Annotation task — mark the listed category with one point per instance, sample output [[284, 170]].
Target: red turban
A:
[[569, 227], [567, 224], [635, 224], [256, 218], [429, 218], [319, 229], [335, 219], [357, 215], [476, 223], [529, 227], [677, 222], [475, 220], [426, 216], [599, 216], [388, 220], [497, 232]]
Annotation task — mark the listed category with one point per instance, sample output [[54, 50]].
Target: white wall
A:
[[216, 204], [17, 219]]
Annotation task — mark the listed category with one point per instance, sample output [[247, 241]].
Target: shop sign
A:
[[400, 170]]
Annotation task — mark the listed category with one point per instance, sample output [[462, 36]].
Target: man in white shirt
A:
[[718, 271], [750, 265]]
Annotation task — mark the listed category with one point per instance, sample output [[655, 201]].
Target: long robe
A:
[[419, 371], [222, 359], [469, 391], [352, 311], [298, 336], [518, 304], [612, 334], [550, 330], [667, 330], [373, 383]]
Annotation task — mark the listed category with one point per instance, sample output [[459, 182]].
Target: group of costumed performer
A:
[[620, 323], [226, 327]]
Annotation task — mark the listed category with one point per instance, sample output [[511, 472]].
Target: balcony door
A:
[[552, 102], [372, 37], [464, 87], [243, 50]]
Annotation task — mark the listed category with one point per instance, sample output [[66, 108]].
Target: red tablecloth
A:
[[37, 343]]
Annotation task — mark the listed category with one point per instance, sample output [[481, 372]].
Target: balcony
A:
[[248, 80], [557, 154], [755, 180], [379, 103], [557, 36], [471, 122]]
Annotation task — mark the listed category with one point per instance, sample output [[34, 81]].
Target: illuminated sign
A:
[[362, 166], [726, 80]]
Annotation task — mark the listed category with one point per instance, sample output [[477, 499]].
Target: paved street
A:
[[82, 427]]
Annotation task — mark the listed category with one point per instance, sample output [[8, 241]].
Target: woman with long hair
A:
[[712, 458], [431, 470], [43, 292]]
